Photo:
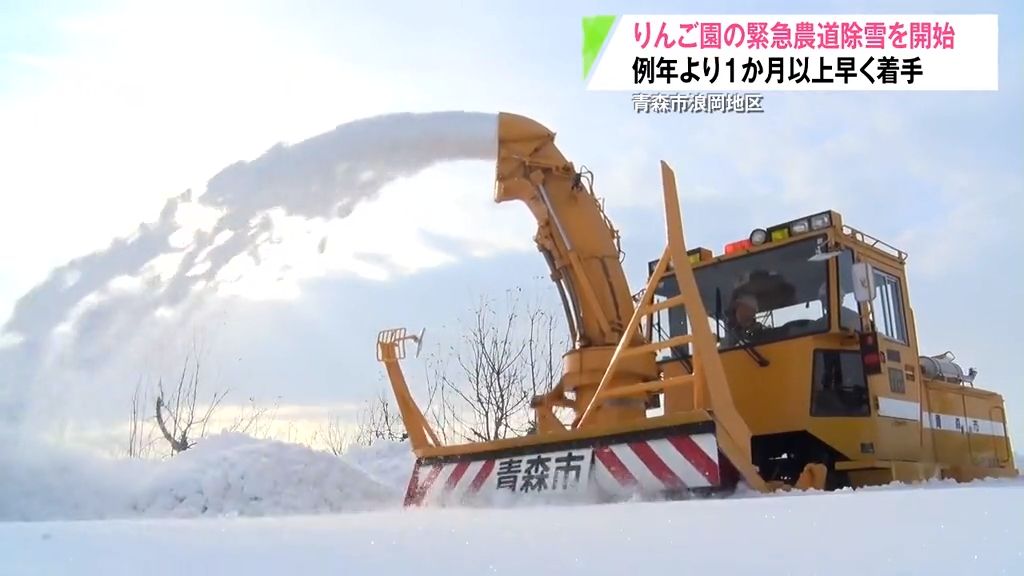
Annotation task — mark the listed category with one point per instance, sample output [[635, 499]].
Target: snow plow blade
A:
[[674, 460]]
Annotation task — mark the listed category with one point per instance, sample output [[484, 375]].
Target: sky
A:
[[110, 109]]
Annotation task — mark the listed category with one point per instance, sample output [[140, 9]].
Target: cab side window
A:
[[888, 305], [840, 387]]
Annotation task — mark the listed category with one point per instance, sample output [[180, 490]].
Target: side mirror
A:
[[821, 253], [419, 341], [823, 256], [863, 282]]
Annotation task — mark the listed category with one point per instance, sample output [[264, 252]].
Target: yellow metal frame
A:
[[732, 432], [390, 351]]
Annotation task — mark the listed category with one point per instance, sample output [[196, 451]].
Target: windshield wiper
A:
[[753, 352]]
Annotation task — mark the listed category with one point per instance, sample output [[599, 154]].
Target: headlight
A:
[[757, 237], [799, 227], [820, 221]]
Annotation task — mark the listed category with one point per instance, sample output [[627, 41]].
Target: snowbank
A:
[[390, 463], [235, 474], [230, 474]]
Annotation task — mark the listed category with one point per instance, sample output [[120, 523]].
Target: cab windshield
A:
[[764, 297]]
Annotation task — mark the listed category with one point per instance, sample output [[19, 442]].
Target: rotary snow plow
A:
[[656, 403]]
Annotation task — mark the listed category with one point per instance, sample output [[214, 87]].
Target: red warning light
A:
[[738, 245], [869, 354]]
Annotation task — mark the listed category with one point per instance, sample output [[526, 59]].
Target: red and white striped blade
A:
[[680, 462], [648, 466]]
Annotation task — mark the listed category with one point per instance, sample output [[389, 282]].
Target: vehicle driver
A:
[[743, 325]]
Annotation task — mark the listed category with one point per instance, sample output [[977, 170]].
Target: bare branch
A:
[[180, 420], [176, 444], [255, 420], [140, 437], [336, 438]]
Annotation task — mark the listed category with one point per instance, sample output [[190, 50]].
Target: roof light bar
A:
[[694, 255], [799, 226]]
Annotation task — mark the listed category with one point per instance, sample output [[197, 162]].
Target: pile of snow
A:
[[235, 474], [229, 474], [389, 463]]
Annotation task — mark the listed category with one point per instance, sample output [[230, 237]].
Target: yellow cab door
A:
[[999, 438], [896, 390]]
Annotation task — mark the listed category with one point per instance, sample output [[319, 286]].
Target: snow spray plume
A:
[[77, 320]]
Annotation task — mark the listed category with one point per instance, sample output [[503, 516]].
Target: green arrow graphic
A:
[[595, 32]]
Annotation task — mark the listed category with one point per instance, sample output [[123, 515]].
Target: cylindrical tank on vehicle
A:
[[941, 368]]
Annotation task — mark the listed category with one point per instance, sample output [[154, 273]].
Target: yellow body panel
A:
[[967, 426]]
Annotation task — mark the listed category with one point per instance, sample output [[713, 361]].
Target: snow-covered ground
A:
[[948, 530], [234, 505]]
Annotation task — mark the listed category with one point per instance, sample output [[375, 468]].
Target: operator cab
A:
[[797, 336], [786, 282]]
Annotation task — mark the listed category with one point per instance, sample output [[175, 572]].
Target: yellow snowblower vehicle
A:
[[788, 361]]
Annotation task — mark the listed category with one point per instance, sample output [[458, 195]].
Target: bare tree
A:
[[481, 390], [380, 420], [440, 408], [180, 419], [335, 438], [140, 435], [255, 420], [544, 350]]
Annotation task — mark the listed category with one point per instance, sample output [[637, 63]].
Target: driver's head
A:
[[745, 310]]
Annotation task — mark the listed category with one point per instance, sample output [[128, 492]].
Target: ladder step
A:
[[647, 387], [668, 303], [655, 346]]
